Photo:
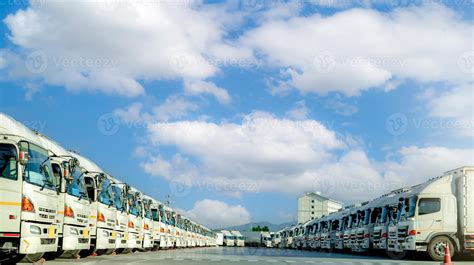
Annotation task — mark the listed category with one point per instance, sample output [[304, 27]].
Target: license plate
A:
[[52, 232], [86, 233], [114, 235]]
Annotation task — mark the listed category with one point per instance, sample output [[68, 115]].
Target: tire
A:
[[86, 252], [32, 258], [52, 255], [437, 247], [71, 254]]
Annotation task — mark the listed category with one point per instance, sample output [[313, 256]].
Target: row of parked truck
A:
[[55, 202], [428, 217]]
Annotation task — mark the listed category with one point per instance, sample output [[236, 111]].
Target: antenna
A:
[[168, 200]]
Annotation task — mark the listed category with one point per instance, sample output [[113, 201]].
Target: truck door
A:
[[429, 217], [10, 189]]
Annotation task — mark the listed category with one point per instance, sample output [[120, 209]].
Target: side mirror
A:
[[67, 170], [24, 154]]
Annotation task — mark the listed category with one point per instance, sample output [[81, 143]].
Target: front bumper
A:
[[134, 240], [45, 241], [75, 238], [106, 238]]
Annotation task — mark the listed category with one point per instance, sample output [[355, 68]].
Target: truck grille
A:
[[47, 241], [83, 240], [111, 241]]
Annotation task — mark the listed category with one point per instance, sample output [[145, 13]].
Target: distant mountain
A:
[[248, 227]]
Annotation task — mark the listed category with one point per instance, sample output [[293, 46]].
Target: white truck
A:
[[28, 195], [266, 239], [74, 205], [158, 226], [440, 213], [229, 239], [148, 242], [135, 219], [239, 238], [103, 215], [121, 226]]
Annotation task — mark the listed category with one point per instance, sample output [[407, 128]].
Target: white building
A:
[[312, 205]]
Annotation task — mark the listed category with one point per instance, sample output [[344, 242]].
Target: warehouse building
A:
[[313, 205]]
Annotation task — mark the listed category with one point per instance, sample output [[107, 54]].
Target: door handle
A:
[[438, 221]]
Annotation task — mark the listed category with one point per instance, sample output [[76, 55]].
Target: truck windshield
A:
[[383, 216], [163, 216], [76, 187], [367, 217], [155, 215], [38, 169], [118, 198], [106, 195], [8, 164], [147, 208], [135, 206]]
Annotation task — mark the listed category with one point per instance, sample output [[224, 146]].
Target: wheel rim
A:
[[440, 248]]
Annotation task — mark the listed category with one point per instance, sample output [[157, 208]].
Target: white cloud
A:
[[359, 49], [217, 214], [129, 42], [418, 164], [299, 112], [267, 154], [174, 107], [455, 105], [199, 87]]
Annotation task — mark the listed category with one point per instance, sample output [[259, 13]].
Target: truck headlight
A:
[[74, 231], [36, 230]]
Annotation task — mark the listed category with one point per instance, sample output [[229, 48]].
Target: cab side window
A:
[[8, 163], [429, 206]]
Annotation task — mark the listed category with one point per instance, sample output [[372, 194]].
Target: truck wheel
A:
[[32, 258], [437, 248], [52, 255]]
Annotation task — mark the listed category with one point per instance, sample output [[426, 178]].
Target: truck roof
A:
[[10, 126]]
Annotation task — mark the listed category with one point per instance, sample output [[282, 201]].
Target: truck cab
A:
[[229, 239], [28, 195], [135, 219], [239, 239], [148, 242], [158, 226], [74, 204], [103, 214], [121, 225]]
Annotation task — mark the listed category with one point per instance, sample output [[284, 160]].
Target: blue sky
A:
[[235, 110]]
